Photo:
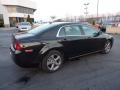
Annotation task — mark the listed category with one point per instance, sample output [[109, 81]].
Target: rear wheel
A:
[[107, 47], [52, 61]]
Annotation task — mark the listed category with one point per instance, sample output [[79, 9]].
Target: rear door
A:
[[73, 40]]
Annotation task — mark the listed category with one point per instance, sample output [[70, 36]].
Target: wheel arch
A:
[[56, 49], [42, 53], [111, 40]]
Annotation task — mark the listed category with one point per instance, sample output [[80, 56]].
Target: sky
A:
[[63, 8]]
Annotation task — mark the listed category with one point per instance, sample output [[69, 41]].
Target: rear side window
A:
[[72, 30]]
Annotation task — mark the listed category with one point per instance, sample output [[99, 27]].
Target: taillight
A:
[[18, 46]]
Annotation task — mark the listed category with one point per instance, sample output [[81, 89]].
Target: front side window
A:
[[73, 30], [88, 30]]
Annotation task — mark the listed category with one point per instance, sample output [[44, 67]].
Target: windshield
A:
[[41, 28]]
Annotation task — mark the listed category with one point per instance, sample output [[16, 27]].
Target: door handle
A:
[[88, 37]]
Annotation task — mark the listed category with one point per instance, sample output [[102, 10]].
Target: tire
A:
[[52, 61], [107, 47]]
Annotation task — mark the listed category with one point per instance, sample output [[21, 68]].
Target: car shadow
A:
[[30, 73]]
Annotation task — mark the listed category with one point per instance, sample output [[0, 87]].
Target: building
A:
[[13, 11]]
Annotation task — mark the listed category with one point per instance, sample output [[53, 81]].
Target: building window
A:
[[11, 9], [20, 9]]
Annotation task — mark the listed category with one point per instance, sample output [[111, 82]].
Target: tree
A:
[[29, 19], [52, 17]]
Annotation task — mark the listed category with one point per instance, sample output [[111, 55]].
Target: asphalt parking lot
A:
[[92, 72]]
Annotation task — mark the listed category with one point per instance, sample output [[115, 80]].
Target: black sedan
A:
[[48, 45]]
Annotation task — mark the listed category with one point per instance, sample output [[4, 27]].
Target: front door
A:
[[93, 42]]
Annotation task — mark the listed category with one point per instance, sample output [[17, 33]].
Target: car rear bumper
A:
[[24, 59]]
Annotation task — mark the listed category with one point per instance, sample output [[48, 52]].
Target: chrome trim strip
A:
[[12, 47], [85, 54], [15, 51], [59, 32]]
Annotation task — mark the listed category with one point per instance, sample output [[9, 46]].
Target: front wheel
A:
[[107, 47], [52, 61]]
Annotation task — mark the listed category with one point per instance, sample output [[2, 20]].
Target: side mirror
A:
[[97, 33], [100, 32], [103, 29]]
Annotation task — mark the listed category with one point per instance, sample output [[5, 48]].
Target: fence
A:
[[114, 30]]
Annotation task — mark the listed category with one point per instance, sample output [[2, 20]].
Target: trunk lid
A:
[[21, 38]]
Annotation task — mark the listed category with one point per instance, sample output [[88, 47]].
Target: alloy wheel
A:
[[53, 62], [107, 47]]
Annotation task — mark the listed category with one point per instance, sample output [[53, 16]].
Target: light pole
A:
[[97, 9], [86, 9]]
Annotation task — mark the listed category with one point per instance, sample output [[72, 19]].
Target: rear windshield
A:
[[41, 28]]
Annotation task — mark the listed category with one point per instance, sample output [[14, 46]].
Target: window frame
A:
[[58, 33]]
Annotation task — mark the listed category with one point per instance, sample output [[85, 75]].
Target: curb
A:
[[8, 29]]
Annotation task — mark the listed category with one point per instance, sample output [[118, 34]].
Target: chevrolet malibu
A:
[[48, 45]]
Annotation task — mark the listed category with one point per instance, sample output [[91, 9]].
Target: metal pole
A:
[[86, 9], [97, 9]]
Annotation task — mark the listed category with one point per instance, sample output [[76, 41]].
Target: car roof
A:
[[62, 23], [24, 22], [50, 25], [69, 23]]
